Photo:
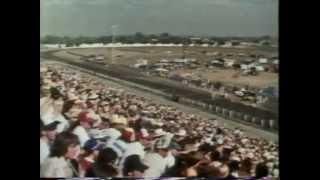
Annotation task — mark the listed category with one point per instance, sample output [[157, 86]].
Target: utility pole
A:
[[183, 50], [113, 27]]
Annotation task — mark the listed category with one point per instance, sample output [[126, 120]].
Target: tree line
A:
[[145, 38]]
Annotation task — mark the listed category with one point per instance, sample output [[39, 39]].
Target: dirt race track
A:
[[130, 55]]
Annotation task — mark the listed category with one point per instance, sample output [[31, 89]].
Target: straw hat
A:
[[250, 155], [116, 119], [159, 132], [163, 142], [72, 97], [43, 69], [93, 96], [235, 158], [181, 132]]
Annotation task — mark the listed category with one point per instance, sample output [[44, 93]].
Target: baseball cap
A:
[[93, 144], [164, 142], [51, 126], [83, 117], [128, 134]]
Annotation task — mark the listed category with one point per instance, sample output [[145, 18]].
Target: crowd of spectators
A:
[[91, 129]]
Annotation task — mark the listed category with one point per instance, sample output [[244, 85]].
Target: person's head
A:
[[128, 135], [92, 147], [234, 166], [223, 171], [226, 153], [261, 170], [215, 155], [162, 145], [205, 148], [55, 93], [67, 106], [144, 137], [133, 167], [105, 106], [84, 120], [162, 151], [65, 145], [93, 99], [49, 130], [105, 161], [105, 123], [180, 135], [246, 165], [211, 170]]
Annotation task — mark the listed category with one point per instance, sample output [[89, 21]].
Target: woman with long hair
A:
[[64, 149]]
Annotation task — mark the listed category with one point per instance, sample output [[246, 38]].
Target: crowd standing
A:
[[90, 129]]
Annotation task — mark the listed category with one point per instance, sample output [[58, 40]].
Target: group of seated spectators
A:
[[90, 129]]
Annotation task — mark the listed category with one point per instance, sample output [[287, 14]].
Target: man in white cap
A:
[[48, 134], [180, 135], [156, 160]]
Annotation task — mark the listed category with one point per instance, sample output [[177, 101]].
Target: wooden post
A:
[[217, 109], [253, 120], [225, 111], [245, 117], [239, 115], [262, 123], [271, 123], [231, 114]]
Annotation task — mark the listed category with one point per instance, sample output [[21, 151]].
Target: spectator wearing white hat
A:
[[111, 133], [180, 135], [92, 101], [156, 160], [48, 134]]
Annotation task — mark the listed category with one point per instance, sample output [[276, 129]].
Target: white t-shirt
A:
[[44, 150], [133, 148], [156, 163], [119, 146], [82, 135], [170, 160], [55, 168], [48, 114]]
